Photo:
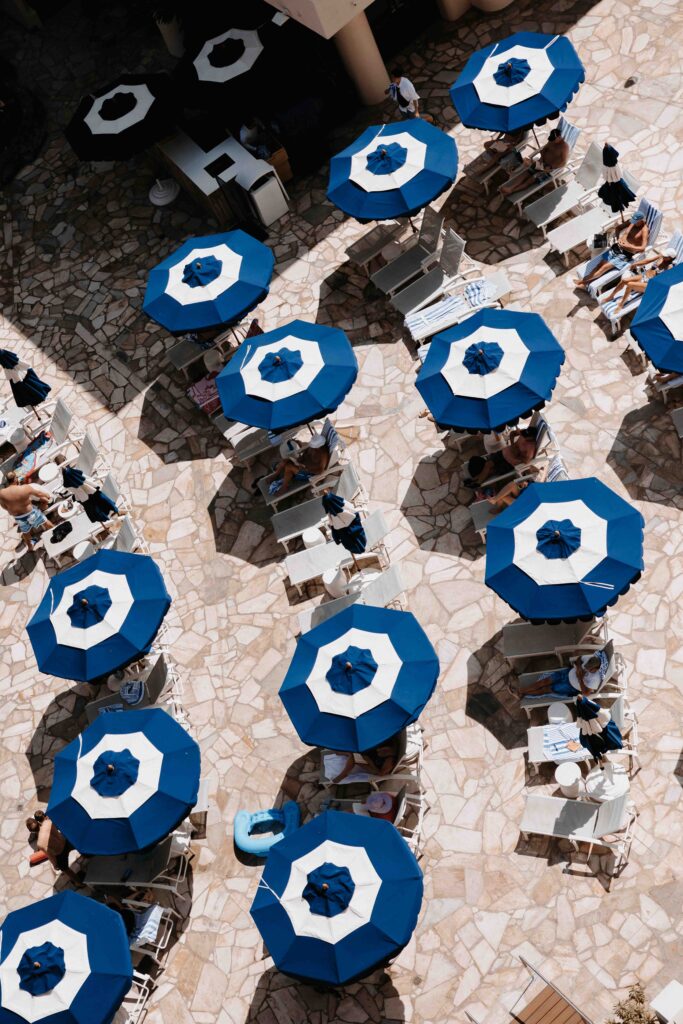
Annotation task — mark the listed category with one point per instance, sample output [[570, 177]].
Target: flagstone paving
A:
[[79, 241]]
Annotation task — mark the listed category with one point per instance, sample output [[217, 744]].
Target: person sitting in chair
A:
[[585, 676], [632, 238], [521, 449], [497, 149], [312, 461], [552, 157], [645, 270], [381, 760]]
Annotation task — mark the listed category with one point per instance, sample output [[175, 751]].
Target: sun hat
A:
[[638, 215], [317, 441], [670, 252]]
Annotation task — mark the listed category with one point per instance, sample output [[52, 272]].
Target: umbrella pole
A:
[[533, 128], [355, 562], [414, 229]]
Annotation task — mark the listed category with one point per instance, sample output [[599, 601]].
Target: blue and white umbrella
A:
[[98, 615], [208, 282], [564, 551], [392, 170], [27, 387], [517, 82], [338, 898], [359, 678], [289, 376], [658, 323], [63, 960], [125, 783], [345, 523], [490, 370]]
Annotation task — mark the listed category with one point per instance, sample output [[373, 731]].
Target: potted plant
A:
[[633, 1009], [168, 15]]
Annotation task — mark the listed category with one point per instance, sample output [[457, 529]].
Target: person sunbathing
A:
[[552, 157], [635, 284], [498, 149], [381, 760], [585, 676], [520, 449], [312, 461], [632, 239]]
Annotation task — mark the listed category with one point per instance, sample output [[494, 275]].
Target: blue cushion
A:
[[260, 843]]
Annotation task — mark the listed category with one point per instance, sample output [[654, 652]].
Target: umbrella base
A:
[[163, 192]]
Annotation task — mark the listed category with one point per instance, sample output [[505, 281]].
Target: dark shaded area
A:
[[435, 504], [646, 455], [489, 701], [174, 428], [278, 997], [62, 721], [22, 123], [241, 522]]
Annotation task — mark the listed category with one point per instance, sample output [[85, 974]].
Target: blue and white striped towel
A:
[[555, 740], [478, 292]]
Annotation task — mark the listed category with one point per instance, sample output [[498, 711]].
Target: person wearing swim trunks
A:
[[18, 500]]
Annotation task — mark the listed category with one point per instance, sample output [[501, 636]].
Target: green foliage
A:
[[633, 1009]]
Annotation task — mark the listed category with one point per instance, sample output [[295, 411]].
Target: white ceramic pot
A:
[[173, 36]]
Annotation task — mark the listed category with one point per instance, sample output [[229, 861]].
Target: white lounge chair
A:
[[570, 133], [579, 231], [293, 522], [436, 282], [483, 170], [653, 218], [309, 564], [611, 684], [609, 307], [408, 767], [413, 261], [316, 484], [482, 512], [480, 293], [59, 427], [525, 640], [383, 590], [576, 192], [582, 822]]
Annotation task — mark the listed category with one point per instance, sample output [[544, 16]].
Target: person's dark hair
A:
[[554, 134], [530, 432], [32, 825], [476, 465], [397, 73], [39, 816]]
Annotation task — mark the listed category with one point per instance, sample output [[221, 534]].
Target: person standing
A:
[[404, 94], [17, 499]]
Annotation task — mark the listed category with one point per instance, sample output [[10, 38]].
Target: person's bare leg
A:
[[602, 268], [540, 686], [517, 184], [288, 475], [633, 288]]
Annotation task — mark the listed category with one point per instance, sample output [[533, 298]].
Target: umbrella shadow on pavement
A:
[[348, 299], [63, 720], [491, 227], [435, 508], [174, 428], [489, 701], [240, 522], [646, 456], [278, 997]]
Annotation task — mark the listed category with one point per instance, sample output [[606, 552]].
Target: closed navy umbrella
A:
[[615, 192], [598, 732], [345, 524], [97, 505], [27, 388]]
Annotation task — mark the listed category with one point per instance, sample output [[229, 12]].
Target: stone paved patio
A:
[[79, 241]]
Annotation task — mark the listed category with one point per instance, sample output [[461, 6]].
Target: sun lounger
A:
[[579, 231], [547, 745], [317, 484], [653, 217], [477, 294], [309, 564], [570, 133], [668, 1003], [581, 822], [664, 387], [610, 685], [609, 307], [293, 522], [413, 261], [251, 442], [524, 640], [383, 590], [576, 192], [483, 170], [436, 282], [367, 248]]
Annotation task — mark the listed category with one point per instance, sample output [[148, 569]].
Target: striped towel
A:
[[478, 292], [555, 740], [427, 321]]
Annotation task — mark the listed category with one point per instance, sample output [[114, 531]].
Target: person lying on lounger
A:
[[521, 449], [636, 283], [631, 240], [497, 149], [585, 676], [552, 157]]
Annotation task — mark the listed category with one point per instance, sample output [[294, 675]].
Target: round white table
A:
[[559, 713], [313, 537], [568, 778], [607, 783], [334, 582]]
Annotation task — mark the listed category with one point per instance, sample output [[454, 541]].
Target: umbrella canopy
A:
[[658, 323], [338, 898], [564, 551], [27, 388], [598, 732], [63, 960], [121, 119], [392, 170], [359, 678], [288, 376], [208, 282], [125, 783], [517, 82], [490, 370], [98, 615], [345, 523], [614, 192]]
